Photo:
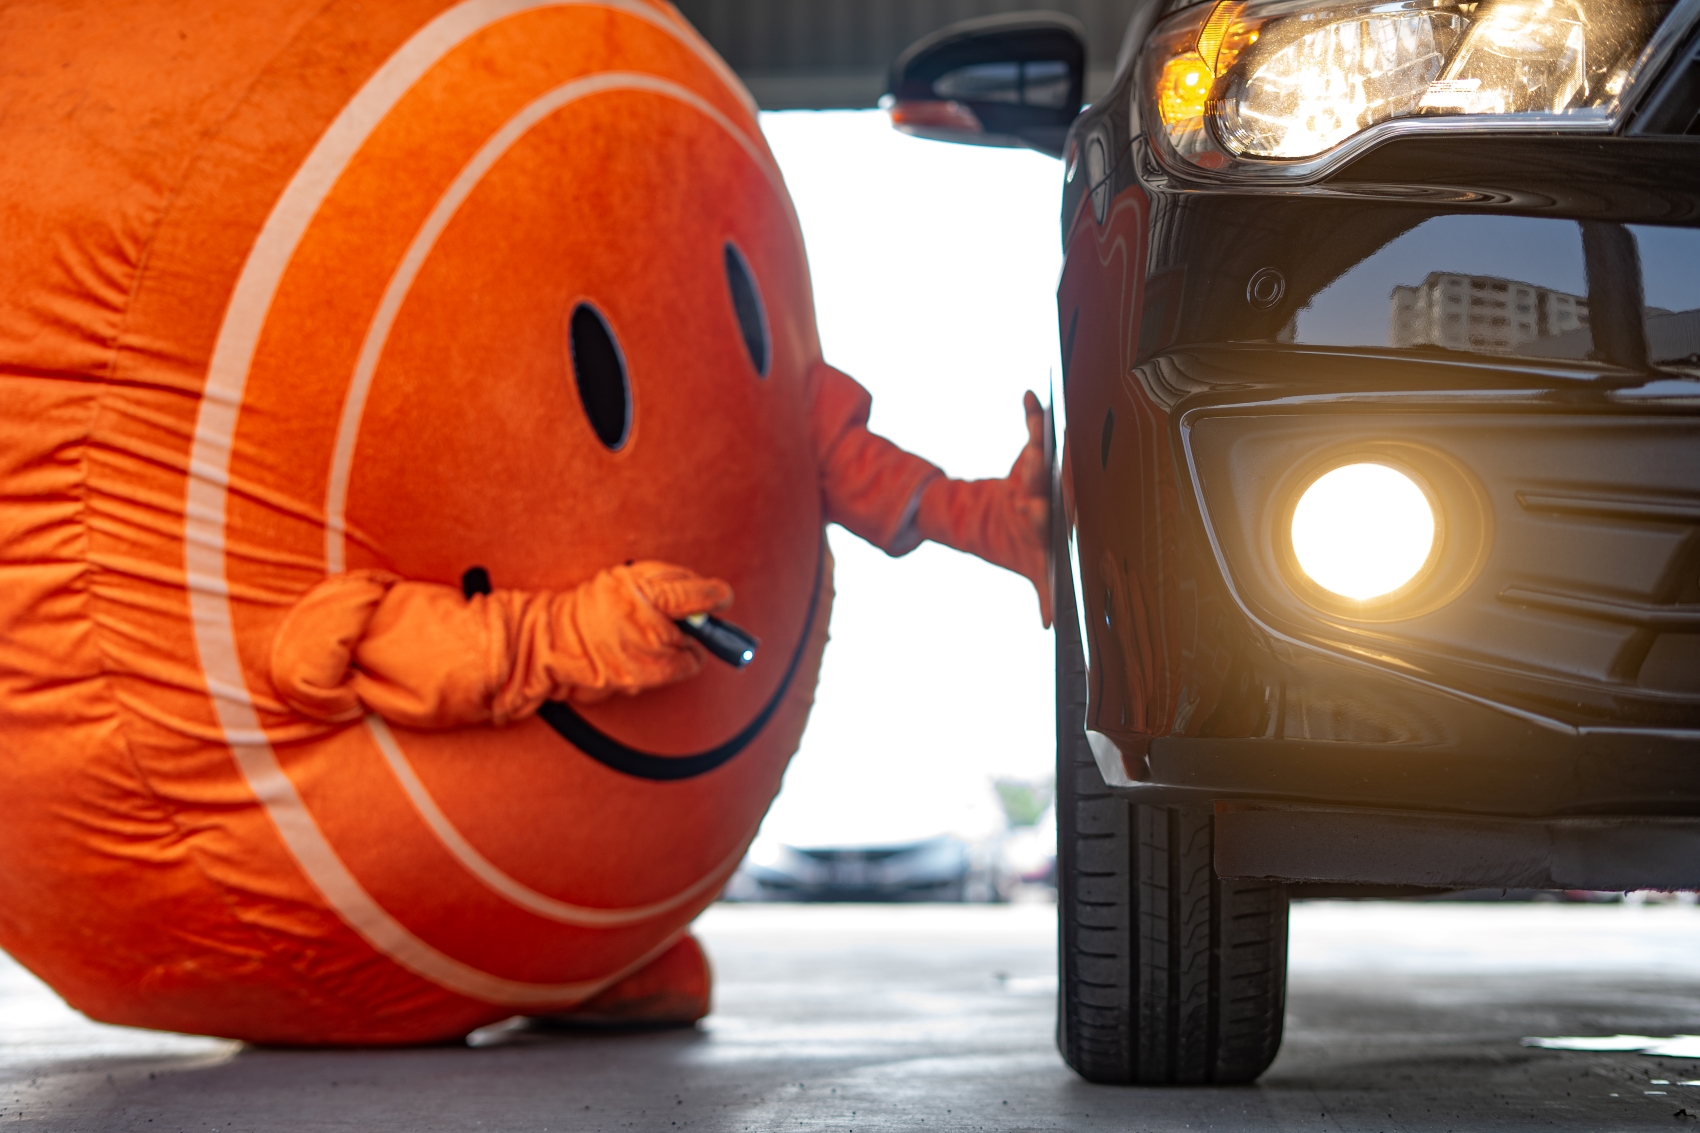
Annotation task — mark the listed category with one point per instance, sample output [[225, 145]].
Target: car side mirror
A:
[[1009, 80]]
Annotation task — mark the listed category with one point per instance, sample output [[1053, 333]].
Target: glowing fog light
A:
[[1363, 530]]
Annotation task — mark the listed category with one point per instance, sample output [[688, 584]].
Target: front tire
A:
[[1168, 974]]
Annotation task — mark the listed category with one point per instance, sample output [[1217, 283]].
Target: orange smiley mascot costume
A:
[[381, 382]]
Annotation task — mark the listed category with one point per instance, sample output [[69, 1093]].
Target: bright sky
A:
[[935, 270]]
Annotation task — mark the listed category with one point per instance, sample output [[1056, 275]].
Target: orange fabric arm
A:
[[870, 486], [895, 500], [1007, 521], [421, 655]]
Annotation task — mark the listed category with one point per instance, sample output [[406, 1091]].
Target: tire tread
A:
[[1169, 975]]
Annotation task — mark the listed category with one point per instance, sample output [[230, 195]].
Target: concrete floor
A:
[[1402, 1017]]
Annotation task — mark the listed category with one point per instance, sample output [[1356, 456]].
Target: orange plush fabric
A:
[[424, 656], [895, 500], [674, 989], [381, 294], [1008, 521]]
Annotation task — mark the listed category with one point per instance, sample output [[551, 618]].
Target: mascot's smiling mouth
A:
[[628, 760]]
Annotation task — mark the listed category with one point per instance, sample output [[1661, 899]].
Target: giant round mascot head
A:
[[500, 285]]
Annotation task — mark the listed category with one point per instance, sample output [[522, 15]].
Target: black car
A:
[[1378, 524]]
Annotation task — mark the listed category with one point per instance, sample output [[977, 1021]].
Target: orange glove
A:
[[1008, 521], [420, 655]]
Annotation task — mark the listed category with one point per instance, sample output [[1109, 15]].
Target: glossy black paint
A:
[[1218, 336]]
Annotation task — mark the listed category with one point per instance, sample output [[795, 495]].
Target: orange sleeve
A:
[[896, 501], [421, 655], [870, 486]]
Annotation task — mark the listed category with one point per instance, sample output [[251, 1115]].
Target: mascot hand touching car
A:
[[388, 390]]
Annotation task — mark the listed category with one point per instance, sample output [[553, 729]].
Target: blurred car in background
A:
[[941, 868], [946, 866]]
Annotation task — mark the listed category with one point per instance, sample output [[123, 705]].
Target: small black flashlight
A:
[[723, 639]]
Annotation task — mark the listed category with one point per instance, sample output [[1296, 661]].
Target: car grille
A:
[[1587, 602]]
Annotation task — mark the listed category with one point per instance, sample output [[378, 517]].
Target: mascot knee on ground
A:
[[382, 385]]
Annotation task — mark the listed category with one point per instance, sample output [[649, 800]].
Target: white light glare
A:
[[1330, 83], [1363, 530], [1522, 55], [1298, 94]]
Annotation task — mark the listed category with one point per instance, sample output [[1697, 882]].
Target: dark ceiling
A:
[[830, 54]]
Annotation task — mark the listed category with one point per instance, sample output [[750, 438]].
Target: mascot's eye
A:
[[601, 375], [746, 303]]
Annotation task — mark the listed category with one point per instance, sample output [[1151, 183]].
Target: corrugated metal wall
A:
[[821, 54]]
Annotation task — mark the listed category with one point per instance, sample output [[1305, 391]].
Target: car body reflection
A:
[[1512, 287]]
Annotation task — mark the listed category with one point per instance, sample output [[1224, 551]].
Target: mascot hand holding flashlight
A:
[[396, 394]]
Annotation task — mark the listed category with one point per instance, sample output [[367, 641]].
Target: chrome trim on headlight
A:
[[1199, 148]]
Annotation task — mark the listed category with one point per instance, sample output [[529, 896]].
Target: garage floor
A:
[[1402, 1017]]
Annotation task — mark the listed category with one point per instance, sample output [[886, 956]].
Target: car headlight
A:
[[1273, 86], [1363, 531]]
